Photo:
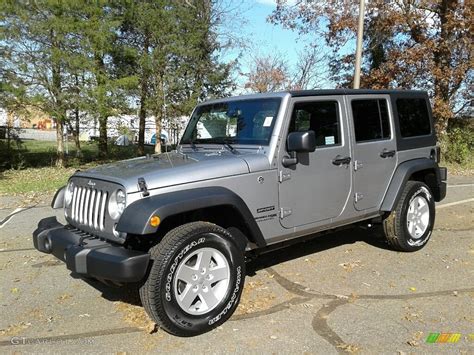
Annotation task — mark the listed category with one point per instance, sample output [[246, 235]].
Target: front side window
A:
[[240, 122], [322, 117], [413, 117], [371, 120]]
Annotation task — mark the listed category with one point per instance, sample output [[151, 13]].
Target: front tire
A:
[[196, 279], [409, 226]]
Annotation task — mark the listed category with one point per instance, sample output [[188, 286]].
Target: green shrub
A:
[[458, 145], [12, 151]]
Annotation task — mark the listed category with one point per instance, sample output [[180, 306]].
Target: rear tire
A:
[[409, 226], [196, 279]]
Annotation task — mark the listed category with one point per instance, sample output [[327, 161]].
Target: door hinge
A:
[[284, 212], [357, 165], [358, 196], [283, 176]]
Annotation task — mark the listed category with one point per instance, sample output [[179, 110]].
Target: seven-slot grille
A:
[[88, 207]]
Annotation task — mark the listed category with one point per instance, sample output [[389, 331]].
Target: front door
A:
[[318, 187], [375, 155]]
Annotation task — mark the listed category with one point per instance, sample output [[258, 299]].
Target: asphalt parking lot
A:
[[341, 292]]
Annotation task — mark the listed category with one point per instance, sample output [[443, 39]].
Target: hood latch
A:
[[143, 187]]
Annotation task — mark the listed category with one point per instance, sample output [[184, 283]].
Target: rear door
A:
[[374, 148]]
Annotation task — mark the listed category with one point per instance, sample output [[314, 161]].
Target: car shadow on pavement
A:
[[315, 244], [127, 293]]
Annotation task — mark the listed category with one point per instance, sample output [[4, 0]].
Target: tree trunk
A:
[[442, 59], [158, 133], [142, 121], [75, 133], [143, 98], [60, 161], [103, 109], [103, 136]]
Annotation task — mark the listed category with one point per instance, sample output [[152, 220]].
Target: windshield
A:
[[239, 122]]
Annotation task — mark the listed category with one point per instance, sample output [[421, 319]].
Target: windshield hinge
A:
[[143, 187], [283, 176]]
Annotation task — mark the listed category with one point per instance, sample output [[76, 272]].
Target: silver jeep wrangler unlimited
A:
[[251, 172]]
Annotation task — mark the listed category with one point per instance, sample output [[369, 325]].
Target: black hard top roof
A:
[[299, 93]]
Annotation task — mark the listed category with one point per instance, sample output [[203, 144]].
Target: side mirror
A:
[[299, 142]]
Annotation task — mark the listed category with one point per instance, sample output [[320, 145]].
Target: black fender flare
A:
[[400, 178], [136, 217]]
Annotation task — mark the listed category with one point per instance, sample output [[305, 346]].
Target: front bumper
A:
[[89, 256]]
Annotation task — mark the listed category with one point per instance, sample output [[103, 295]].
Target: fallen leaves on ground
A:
[[14, 329], [412, 314], [64, 297], [350, 348], [136, 316], [256, 296], [349, 266], [415, 340]]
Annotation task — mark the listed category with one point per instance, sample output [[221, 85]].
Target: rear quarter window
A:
[[413, 117]]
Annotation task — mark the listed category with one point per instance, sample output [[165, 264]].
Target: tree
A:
[[310, 70], [196, 72], [171, 48], [105, 87], [80, 59], [272, 73], [424, 44], [268, 73], [146, 36], [36, 48]]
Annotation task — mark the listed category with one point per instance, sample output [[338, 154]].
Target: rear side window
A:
[[413, 117], [322, 117], [371, 120]]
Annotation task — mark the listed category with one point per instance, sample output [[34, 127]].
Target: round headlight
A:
[[68, 194], [117, 204]]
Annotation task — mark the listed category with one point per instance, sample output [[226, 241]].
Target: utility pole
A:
[[360, 35]]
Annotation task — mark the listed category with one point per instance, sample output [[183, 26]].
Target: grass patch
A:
[[37, 154], [39, 180], [37, 173], [466, 169]]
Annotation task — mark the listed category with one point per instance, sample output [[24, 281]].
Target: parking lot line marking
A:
[[455, 203], [9, 217], [13, 250], [15, 212], [461, 185]]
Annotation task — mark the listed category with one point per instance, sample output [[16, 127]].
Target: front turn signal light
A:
[[155, 221]]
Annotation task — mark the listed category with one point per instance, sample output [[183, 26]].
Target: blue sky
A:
[[268, 37], [263, 37]]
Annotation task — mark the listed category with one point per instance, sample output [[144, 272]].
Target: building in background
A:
[[34, 124]]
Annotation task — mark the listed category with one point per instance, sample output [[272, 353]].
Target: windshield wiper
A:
[[226, 144], [192, 143], [230, 148]]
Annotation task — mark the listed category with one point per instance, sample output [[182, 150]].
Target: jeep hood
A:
[[175, 168]]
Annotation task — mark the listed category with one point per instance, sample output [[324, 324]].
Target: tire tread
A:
[[160, 254], [391, 224]]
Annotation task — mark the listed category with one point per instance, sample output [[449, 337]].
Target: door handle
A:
[[338, 160], [387, 153]]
